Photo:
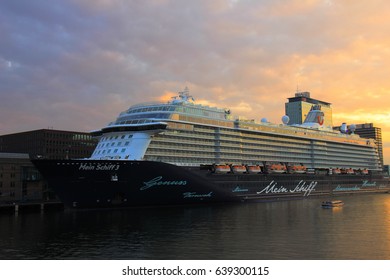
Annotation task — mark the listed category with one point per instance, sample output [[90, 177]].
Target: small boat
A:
[[332, 203]]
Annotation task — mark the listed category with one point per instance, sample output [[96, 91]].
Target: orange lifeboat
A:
[[336, 171], [349, 171], [364, 171], [238, 168], [297, 168], [253, 169], [221, 168], [276, 168]]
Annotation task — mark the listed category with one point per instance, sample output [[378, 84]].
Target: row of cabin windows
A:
[[106, 138], [112, 144], [103, 152]]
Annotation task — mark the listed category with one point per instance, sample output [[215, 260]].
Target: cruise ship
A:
[[181, 152]]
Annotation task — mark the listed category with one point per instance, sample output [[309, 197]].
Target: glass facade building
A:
[[49, 143]]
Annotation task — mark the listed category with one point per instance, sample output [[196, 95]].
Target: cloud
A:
[[77, 64]]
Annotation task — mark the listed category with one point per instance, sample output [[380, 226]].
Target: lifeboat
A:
[[238, 168], [276, 168], [297, 168], [221, 168], [336, 171], [253, 169], [364, 171], [349, 171]]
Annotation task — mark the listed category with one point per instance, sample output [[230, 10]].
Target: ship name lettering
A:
[[85, 166], [195, 195], [303, 187], [158, 182], [99, 167], [272, 188], [107, 167], [367, 183]]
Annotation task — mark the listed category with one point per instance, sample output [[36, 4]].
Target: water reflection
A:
[[386, 221], [279, 230]]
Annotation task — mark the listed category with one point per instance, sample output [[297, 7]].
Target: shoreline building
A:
[[49, 143], [20, 181], [299, 106]]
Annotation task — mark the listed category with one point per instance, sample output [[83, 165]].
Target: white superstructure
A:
[[184, 133]]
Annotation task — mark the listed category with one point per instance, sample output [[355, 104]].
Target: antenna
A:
[[185, 95]]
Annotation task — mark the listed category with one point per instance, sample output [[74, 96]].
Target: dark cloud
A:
[[77, 64]]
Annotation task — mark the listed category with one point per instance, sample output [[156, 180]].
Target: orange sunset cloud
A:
[[95, 59]]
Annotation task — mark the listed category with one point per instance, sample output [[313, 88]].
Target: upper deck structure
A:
[[184, 133]]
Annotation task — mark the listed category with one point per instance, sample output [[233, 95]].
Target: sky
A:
[[75, 64]]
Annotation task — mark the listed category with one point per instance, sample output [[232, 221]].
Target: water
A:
[[298, 230]]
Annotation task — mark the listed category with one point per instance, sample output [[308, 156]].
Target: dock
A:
[[26, 207]]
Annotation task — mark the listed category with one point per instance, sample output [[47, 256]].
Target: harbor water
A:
[[279, 230]]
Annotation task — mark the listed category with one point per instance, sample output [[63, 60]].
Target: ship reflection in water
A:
[[299, 229]]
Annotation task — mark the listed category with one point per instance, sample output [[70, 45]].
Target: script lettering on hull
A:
[[365, 184], [158, 181], [343, 189], [239, 189], [196, 195], [301, 187]]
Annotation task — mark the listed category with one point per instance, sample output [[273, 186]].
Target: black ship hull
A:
[[110, 183]]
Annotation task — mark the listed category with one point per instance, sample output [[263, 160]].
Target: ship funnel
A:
[[344, 128], [315, 118]]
